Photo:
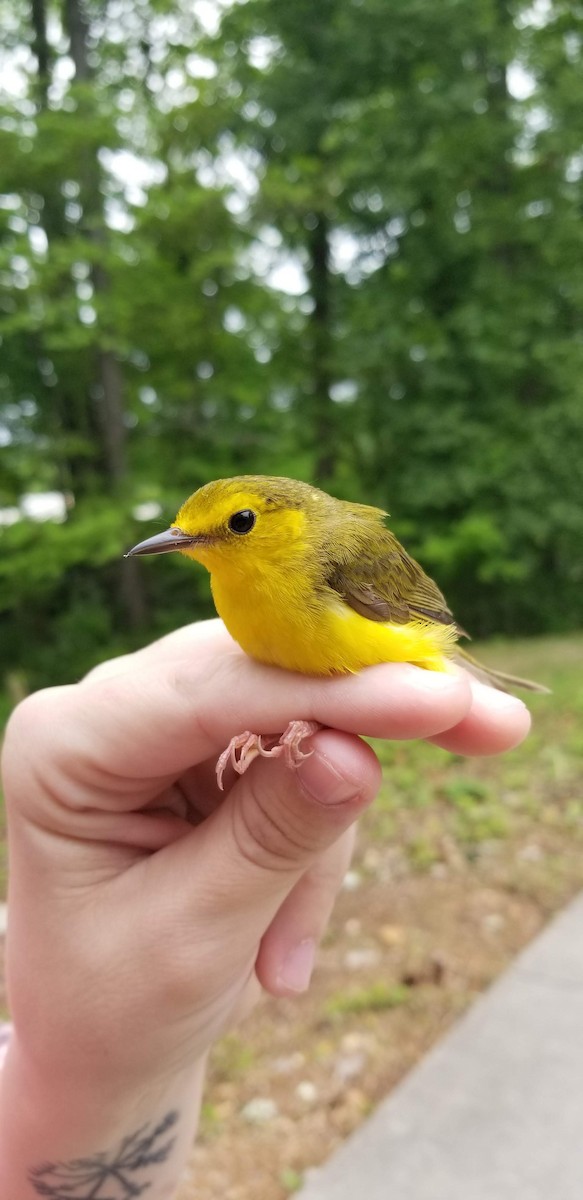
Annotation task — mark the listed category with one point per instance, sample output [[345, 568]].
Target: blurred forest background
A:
[[341, 241]]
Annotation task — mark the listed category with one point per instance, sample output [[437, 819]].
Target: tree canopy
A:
[[339, 242]]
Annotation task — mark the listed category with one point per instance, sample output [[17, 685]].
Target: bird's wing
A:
[[384, 583]]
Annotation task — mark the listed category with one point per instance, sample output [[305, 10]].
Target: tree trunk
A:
[[41, 49], [108, 394], [323, 417], [69, 407], [77, 30]]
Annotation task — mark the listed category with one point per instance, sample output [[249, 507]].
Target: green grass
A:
[[440, 812], [428, 793], [291, 1180], [375, 998], [233, 1057]]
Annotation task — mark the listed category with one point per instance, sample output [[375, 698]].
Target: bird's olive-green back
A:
[[369, 568]]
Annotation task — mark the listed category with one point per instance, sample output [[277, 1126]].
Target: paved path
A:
[[495, 1110]]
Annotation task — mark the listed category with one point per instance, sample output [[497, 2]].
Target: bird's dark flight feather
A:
[[390, 586]]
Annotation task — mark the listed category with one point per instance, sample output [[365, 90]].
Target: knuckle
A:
[[29, 722], [25, 718], [265, 832], [184, 677], [36, 740], [105, 670]]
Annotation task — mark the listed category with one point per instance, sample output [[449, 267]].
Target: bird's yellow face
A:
[[243, 526], [247, 526]]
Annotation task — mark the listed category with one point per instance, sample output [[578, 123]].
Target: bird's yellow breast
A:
[[277, 616]]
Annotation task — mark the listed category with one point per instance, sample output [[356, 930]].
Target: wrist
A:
[[53, 1123]]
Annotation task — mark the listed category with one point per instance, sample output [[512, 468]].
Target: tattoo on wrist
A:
[[119, 1174]]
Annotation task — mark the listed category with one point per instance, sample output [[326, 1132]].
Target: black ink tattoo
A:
[[94, 1178]]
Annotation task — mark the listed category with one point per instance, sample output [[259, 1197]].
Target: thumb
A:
[[274, 824]]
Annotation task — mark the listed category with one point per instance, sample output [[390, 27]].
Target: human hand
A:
[[144, 903]]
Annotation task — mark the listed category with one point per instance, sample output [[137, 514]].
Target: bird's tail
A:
[[497, 679]]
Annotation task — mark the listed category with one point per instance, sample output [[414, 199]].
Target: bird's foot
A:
[[245, 747]]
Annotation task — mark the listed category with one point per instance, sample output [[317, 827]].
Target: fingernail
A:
[[499, 701], [324, 782], [429, 681], [297, 968]]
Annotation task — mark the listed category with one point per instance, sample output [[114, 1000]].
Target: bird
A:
[[316, 585]]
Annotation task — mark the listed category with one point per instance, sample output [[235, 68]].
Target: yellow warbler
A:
[[314, 584]]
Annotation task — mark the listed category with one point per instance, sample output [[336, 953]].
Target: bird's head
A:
[[245, 521]]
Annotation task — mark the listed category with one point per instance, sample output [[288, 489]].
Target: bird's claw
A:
[[245, 747]]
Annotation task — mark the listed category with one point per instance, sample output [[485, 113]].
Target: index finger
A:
[[159, 718], [205, 639]]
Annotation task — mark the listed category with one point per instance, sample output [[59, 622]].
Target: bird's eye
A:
[[242, 522]]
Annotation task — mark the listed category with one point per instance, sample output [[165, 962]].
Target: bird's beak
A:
[[163, 543]]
